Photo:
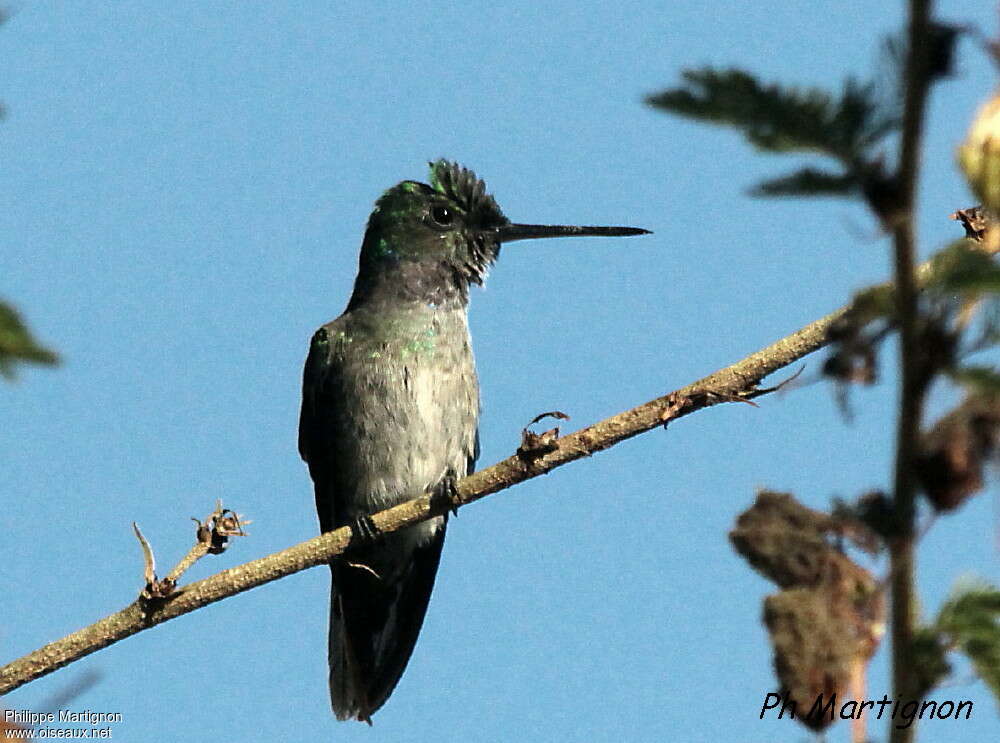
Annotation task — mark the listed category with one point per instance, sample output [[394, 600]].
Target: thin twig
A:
[[198, 550]]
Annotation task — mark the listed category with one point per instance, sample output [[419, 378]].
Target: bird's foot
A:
[[363, 530], [447, 490]]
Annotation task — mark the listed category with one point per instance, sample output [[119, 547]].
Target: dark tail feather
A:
[[374, 624]]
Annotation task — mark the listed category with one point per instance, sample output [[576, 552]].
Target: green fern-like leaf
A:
[[808, 182], [930, 662], [874, 303], [978, 379], [18, 345], [783, 119], [971, 618], [961, 268]]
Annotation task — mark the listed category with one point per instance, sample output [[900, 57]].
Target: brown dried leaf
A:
[[828, 622], [975, 219], [782, 539], [953, 452]]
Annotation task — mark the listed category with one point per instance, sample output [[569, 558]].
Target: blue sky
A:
[[183, 191]]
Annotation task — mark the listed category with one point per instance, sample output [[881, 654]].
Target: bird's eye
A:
[[442, 216]]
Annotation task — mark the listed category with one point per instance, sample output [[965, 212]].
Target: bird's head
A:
[[452, 221], [452, 225]]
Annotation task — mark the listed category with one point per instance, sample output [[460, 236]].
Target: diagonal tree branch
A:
[[733, 383], [738, 382]]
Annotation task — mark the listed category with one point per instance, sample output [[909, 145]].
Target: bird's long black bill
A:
[[512, 232]]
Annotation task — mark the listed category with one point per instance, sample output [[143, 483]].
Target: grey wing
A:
[[376, 615], [319, 409]]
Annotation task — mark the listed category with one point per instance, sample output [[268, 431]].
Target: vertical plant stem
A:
[[911, 388]]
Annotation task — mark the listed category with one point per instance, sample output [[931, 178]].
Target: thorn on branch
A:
[[154, 589], [677, 406], [741, 396], [778, 387], [536, 445]]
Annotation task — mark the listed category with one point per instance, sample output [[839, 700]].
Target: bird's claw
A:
[[364, 530], [447, 489]]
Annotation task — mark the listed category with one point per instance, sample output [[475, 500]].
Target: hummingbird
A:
[[390, 410]]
